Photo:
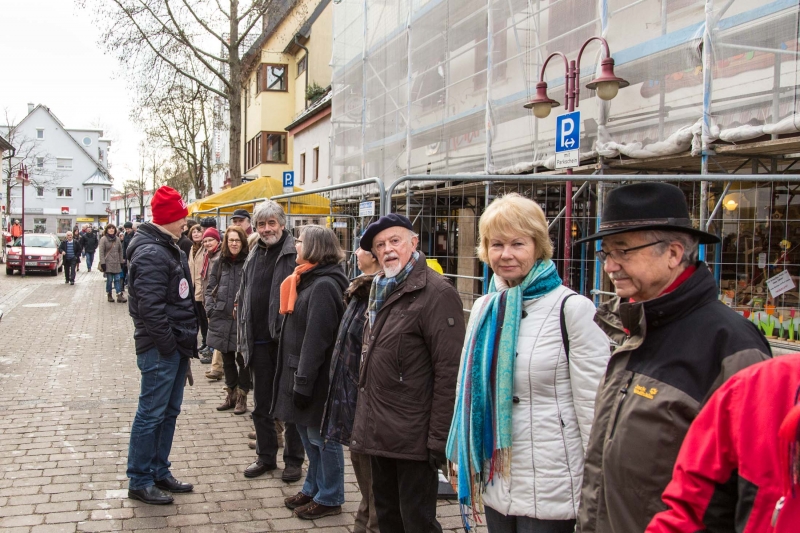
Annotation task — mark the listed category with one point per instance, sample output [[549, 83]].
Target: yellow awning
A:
[[310, 204]]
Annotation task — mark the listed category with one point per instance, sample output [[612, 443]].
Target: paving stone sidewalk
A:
[[68, 392]]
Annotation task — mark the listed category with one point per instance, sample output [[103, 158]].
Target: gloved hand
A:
[[437, 460], [189, 378], [301, 401]]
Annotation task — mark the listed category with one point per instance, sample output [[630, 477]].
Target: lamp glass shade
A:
[[606, 90], [542, 109], [731, 205]]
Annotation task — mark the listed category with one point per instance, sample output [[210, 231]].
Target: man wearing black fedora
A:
[[676, 344]]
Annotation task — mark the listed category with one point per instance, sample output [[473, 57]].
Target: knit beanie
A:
[[167, 206], [211, 232]]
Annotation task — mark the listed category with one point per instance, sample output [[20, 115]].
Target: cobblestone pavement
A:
[[68, 393]]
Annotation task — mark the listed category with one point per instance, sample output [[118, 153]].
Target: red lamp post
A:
[[22, 177], [606, 85]]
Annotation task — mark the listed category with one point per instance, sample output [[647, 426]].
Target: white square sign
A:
[[780, 284]]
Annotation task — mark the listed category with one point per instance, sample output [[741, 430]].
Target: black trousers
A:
[[405, 495], [202, 318], [69, 268], [236, 375], [263, 366], [498, 523], [124, 274]]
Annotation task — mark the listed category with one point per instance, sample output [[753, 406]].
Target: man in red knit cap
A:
[[162, 307]]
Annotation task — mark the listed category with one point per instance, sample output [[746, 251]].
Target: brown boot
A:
[[279, 430], [230, 400], [110, 298], [121, 298], [241, 402]]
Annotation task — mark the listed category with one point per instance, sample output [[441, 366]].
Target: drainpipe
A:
[[308, 65]]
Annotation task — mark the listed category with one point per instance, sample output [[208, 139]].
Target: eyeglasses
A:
[[621, 255], [381, 246], [298, 241], [236, 241]]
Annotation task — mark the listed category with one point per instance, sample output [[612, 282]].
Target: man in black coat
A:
[[89, 242], [126, 241], [161, 304], [70, 250]]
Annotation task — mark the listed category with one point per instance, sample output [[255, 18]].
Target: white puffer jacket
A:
[[553, 407]]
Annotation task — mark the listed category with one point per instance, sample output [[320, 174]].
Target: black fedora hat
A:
[[647, 206]]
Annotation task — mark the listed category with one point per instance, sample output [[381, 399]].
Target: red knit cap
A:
[[213, 233], [167, 206]]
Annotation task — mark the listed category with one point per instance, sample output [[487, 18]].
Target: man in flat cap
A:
[[241, 218], [676, 344], [410, 358]]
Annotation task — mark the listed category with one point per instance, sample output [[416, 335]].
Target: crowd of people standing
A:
[[547, 414]]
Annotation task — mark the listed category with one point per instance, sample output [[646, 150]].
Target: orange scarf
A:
[[289, 288]]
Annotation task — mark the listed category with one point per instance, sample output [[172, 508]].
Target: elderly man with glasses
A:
[[676, 344]]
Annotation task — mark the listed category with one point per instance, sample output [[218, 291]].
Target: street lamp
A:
[[607, 84]]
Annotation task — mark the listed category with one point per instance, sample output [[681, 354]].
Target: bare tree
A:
[[161, 37]]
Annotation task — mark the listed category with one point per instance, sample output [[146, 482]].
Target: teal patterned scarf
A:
[[480, 434]]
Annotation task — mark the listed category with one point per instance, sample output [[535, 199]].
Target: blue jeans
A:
[[325, 478], [153, 427], [89, 259], [117, 279]]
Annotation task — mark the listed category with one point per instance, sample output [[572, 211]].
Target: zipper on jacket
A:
[[624, 392], [777, 511], [400, 363]]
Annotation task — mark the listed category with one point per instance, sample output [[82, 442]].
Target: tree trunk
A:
[[235, 98]]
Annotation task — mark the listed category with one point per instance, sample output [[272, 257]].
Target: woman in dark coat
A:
[[224, 279], [311, 301]]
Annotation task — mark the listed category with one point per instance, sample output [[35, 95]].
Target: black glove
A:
[[437, 460], [189, 377], [301, 401]]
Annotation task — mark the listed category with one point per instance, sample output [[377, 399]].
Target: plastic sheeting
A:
[[438, 86]]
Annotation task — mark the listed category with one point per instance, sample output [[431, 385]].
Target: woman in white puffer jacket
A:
[[520, 395]]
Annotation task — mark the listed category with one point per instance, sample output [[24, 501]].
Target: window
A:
[[64, 225], [271, 78], [40, 134], [40, 162], [89, 194], [316, 164], [302, 169], [302, 65], [64, 163], [265, 147], [40, 225], [64, 192], [275, 148], [39, 192], [87, 141], [106, 194]]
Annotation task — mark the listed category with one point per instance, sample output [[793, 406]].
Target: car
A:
[[41, 254]]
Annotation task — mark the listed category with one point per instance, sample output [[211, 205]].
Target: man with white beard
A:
[[410, 358], [257, 306]]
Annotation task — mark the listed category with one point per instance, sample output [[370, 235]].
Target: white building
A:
[[311, 131], [130, 208], [69, 180]]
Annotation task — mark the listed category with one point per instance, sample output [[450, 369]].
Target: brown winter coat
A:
[[195, 266], [410, 367], [110, 253]]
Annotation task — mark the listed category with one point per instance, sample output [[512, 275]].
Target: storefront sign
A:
[[34, 211], [64, 210], [84, 219], [339, 225], [780, 284], [366, 209]]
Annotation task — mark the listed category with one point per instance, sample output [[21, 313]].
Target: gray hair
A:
[[321, 246], [269, 209], [690, 243]]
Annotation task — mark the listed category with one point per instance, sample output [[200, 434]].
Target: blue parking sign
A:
[[568, 132], [288, 178]]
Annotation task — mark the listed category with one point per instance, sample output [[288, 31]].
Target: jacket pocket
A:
[[293, 361], [397, 424]]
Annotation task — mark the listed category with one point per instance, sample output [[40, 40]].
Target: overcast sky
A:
[[49, 55]]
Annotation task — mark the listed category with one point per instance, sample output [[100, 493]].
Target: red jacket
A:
[[728, 475]]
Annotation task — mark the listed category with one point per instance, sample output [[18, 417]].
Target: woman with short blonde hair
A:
[[526, 390]]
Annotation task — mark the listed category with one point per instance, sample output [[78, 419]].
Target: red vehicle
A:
[[41, 254]]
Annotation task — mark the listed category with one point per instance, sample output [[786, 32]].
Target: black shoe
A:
[[72, 283], [292, 473], [206, 360], [66, 281], [258, 468], [170, 484], [152, 495]]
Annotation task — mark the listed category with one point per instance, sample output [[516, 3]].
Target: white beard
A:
[[392, 272], [269, 241]]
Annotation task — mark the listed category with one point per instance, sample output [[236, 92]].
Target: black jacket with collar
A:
[[77, 248], [161, 295]]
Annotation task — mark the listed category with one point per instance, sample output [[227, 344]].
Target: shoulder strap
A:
[[564, 333]]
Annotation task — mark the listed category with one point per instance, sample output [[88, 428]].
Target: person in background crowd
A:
[[70, 250], [340, 407], [165, 334], [677, 343], [311, 300], [208, 222], [241, 218], [525, 404], [89, 243], [111, 260], [126, 241], [733, 470], [196, 258], [185, 242], [413, 338], [76, 235], [224, 279], [211, 240], [16, 230], [270, 261]]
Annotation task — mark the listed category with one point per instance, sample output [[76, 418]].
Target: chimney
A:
[[30, 108]]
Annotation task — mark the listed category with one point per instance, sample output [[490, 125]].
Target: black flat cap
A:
[[128, 224], [389, 221], [208, 222], [241, 213], [647, 206]]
